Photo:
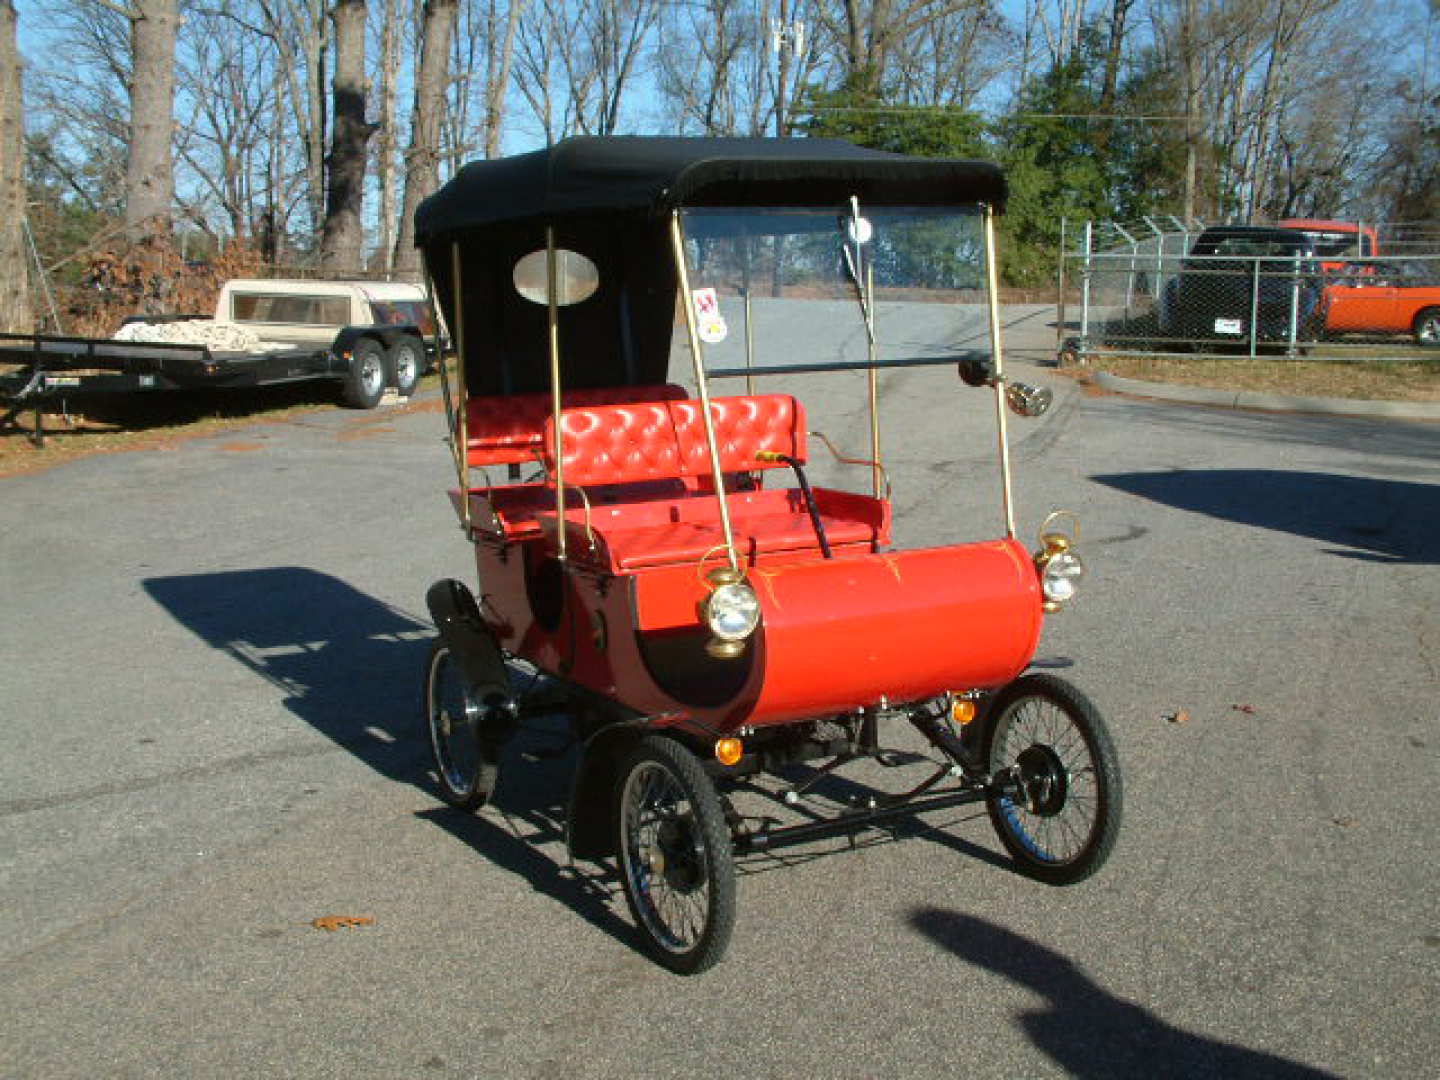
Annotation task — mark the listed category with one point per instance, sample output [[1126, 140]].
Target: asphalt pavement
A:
[[209, 699]]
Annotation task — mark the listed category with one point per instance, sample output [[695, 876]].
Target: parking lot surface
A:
[[210, 705]]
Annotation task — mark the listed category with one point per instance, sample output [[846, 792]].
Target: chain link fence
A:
[[1167, 286]]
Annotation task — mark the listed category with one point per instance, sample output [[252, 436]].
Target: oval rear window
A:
[[576, 277]]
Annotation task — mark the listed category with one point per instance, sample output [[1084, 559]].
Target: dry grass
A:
[[1341, 376]]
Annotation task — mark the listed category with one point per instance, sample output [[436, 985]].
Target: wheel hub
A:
[[1043, 781], [673, 857]]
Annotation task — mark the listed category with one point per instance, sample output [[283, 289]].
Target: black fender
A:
[[588, 822], [470, 641], [385, 333]]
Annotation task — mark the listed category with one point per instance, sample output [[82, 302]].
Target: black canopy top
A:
[[633, 175]]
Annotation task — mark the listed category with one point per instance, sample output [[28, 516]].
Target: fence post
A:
[[1254, 307], [1085, 289], [1294, 304], [1159, 277], [1060, 293]]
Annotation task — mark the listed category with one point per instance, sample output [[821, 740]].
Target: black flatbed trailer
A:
[[39, 368]]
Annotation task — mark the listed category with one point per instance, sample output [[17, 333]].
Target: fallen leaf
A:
[[335, 922], [1248, 710], [1181, 717], [1343, 822]]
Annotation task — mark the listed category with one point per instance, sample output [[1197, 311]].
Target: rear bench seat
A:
[[509, 430], [664, 441]]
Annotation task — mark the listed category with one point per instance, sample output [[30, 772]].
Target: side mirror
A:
[[977, 371]]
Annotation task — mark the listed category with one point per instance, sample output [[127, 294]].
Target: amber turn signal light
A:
[[729, 751], [962, 711]]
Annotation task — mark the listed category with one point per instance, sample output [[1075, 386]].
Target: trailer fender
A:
[[470, 641], [385, 333], [588, 829]]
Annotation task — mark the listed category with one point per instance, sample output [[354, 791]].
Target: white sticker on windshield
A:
[[710, 322]]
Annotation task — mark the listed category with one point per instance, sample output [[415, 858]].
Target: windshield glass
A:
[[790, 284]]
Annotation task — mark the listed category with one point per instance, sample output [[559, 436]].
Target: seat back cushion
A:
[[619, 444], [509, 430]]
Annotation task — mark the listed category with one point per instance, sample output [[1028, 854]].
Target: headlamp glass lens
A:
[[733, 611], [1061, 577]]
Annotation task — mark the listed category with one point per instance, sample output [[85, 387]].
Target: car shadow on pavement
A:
[[522, 828], [349, 665], [1386, 521], [1087, 1031]]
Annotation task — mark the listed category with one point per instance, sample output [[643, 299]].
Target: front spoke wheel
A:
[[676, 855], [1056, 796]]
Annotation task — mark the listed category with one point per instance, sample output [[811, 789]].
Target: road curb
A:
[[1250, 399]]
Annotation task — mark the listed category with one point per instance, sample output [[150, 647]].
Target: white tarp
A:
[[218, 336]]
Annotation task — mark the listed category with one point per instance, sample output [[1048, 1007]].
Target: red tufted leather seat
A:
[[656, 441], [507, 430], [653, 440]]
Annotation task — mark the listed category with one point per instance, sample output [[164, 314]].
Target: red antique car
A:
[[1387, 298], [664, 559]]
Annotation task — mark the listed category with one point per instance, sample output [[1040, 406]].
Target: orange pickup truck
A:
[[1386, 298]]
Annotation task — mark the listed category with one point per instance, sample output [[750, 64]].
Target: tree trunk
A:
[[386, 140], [421, 159], [499, 85], [149, 178], [343, 238], [15, 313]]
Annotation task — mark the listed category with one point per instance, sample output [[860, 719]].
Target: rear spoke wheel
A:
[[462, 746]]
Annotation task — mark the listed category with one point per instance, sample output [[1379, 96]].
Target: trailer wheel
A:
[[677, 862], [1057, 797], [365, 382], [404, 363]]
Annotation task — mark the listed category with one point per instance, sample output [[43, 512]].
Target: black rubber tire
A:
[[703, 838], [467, 764], [1427, 327], [1055, 722], [404, 363], [365, 381]]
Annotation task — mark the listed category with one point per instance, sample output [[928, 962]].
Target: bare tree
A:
[[499, 62], [301, 37], [423, 156], [342, 239], [952, 58], [15, 313], [582, 57], [149, 168], [386, 140]]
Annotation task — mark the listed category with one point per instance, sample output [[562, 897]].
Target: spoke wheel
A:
[[1057, 802], [467, 763], [676, 856]]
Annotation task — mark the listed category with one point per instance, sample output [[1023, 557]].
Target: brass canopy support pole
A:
[[677, 241], [992, 288], [461, 434], [862, 271], [553, 309], [877, 471]]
